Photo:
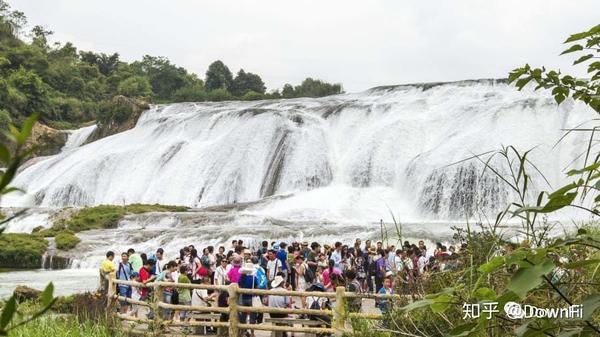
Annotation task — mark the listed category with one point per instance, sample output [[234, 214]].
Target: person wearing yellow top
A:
[[106, 267]]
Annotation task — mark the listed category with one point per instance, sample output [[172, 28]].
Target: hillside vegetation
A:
[[69, 87]]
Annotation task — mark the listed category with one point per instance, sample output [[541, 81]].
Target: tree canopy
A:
[[68, 86]]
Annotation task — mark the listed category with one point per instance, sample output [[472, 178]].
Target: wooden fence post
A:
[[157, 297], [234, 317], [111, 290], [339, 316]]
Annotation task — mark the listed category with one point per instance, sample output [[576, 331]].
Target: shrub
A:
[[252, 96], [19, 250], [66, 240], [218, 95]]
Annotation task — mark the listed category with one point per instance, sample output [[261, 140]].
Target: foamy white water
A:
[[78, 137], [323, 169], [341, 156]]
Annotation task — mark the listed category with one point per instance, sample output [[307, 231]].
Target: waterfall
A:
[[355, 156], [78, 137]]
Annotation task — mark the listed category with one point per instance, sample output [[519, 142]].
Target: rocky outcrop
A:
[[120, 114], [24, 293]]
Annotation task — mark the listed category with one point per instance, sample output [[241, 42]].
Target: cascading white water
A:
[[78, 137], [352, 156]]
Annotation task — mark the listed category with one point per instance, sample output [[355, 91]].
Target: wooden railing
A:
[[339, 315]]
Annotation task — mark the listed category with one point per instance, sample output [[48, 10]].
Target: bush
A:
[[136, 86], [219, 95], [192, 93], [66, 240], [21, 250], [252, 96]]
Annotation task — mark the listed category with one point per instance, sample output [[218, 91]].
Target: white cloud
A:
[[359, 43]]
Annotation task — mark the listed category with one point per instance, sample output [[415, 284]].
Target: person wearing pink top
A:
[[234, 273], [327, 275]]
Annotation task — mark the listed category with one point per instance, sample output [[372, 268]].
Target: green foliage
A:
[[311, 88], [563, 86], [66, 240], [218, 76], [246, 82], [115, 110], [252, 96], [192, 93], [219, 95], [66, 327], [70, 87], [101, 217], [136, 86], [144, 208], [19, 250]]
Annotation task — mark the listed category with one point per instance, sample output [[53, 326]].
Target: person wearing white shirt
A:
[[221, 272], [336, 256]]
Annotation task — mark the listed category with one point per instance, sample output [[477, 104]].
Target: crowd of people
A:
[[368, 267]]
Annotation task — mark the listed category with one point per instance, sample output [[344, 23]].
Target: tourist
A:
[[327, 275], [106, 267], [223, 302], [273, 265], [248, 280], [234, 272], [161, 261], [124, 273], [262, 253], [136, 294], [282, 257], [185, 297], [385, 304], [300, 272], [135, 259], [322, 262], [279, 301], [336, 256], [196, 267], [221, 273], [380, 269], [354, 286], [201, 297], [146, 277], [166, 276]]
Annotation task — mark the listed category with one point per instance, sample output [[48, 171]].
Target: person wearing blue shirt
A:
[[385, 304], [124, 273], [282, 256], [248, 280]]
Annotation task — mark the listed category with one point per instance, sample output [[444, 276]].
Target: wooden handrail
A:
[[339, 315]]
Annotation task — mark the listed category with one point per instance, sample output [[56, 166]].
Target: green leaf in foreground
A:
[[590, 304], [527, 279], [8, 312]]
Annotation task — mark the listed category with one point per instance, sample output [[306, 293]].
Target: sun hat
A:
[[277, 281], [236, 261], [248, 269]]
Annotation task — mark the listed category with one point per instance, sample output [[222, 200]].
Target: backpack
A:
[[263, 283], [317, 306], [309, 274]]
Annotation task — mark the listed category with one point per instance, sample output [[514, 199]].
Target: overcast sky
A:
[[360, 43]]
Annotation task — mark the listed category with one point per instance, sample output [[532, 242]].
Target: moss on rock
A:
[[66, 240], [21, 251]]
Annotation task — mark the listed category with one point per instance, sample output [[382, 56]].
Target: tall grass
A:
[[63, 326]]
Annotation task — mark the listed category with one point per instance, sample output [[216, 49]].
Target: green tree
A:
[[252, 96], [164, 77], [105, 63], [31, 86], [136, 86], [245, 82], [218, 76], [288, 91]]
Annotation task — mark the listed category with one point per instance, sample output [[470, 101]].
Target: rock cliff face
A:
[[46, 140], [122, 113]]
